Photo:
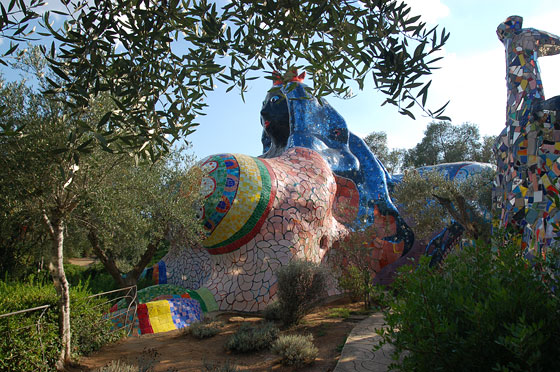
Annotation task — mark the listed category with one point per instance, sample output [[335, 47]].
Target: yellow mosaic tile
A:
[[246, 200], [160, 316]]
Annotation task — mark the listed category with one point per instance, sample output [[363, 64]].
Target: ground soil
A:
[[186, 353]]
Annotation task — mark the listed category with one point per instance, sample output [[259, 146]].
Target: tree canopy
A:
[[392, 159], [158, 60], [432, 201], [444, 142]]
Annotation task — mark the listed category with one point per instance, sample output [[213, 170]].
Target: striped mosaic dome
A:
[[239, 191]]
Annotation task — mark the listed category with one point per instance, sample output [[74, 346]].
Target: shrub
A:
[[295, 350], [204, 329], [481, 311], [273, 312], [117, 366], [226, 367], [301, 284], [145, 362], [23, 348], [252, 338]]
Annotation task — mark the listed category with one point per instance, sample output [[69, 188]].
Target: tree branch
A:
[[108, 262]]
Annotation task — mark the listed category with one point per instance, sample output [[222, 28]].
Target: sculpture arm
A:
[[548, 44]]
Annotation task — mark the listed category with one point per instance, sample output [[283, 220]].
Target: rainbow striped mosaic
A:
[[239, 192], [163, 308]]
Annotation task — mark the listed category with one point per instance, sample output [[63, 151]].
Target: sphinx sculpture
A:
[[528, 149], [313, 184]]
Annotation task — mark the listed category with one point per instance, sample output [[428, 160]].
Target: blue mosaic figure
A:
[[291, 117]]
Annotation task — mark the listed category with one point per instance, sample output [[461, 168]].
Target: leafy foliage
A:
[[432, 201], [249, 338], [301, 285], [29, 341], [444, 142], [204, 329], [134, 209], [273, 312], [392, 159], [295, 350], [355, 264], [481, 311], [15, 25], [158, 60]]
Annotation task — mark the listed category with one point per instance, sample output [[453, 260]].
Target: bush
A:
[[301, 285], [480, 312], [204, 329], [23, 348], [117, 366], [252, 338], [226, 367], [145, 362], [273, 312], [295, 350]]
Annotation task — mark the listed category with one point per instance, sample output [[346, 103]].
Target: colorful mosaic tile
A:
[[528, 148], [294, 202]]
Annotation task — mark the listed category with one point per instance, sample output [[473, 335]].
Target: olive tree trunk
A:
[[55, 226]]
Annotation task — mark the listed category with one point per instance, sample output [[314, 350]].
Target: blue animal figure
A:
[[292, 117]]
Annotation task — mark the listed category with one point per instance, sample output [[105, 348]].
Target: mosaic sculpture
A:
[[162, 308], [528, 149], [313, 182]]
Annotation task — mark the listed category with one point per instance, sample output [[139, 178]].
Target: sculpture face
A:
[[275, 119]]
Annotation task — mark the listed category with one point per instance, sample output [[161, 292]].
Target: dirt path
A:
[[84, 261], [186, 353]]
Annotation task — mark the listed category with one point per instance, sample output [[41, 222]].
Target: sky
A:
[[471, 76]]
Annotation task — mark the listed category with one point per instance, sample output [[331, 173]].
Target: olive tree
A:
[[432, 201], [136, 208]]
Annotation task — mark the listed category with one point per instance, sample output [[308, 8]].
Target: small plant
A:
[[322, 329], [145, 362], [295, 350], [341, 346], [273, 312], [204, 329], [117, 366], [226, 367], [339, 312], [252, 338], [301, 286]]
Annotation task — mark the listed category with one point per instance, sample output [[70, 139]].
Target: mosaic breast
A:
[[239, 191]]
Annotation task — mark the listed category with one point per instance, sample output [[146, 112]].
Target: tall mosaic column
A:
[[528, 149]]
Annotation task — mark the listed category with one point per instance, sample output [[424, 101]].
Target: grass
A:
[[339, 312]]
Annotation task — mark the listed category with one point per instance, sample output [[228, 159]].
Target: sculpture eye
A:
[[337, 132], [274, 99]]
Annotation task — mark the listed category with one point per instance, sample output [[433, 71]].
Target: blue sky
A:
[[472, 76]]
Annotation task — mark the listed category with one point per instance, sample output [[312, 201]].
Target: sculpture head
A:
[[509, 27], [275, 120], [315, 125]]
